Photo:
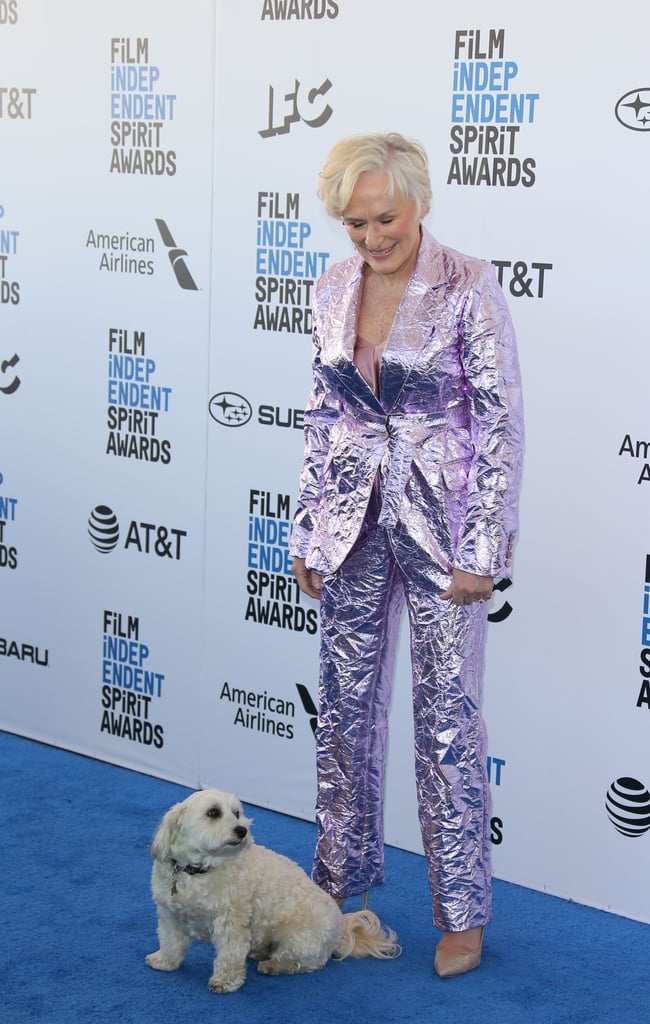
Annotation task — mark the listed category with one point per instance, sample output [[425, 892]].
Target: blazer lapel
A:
[[338, 352], [415, 320], [413, 328]]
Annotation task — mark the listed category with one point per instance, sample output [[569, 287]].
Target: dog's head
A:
[[202, 830]]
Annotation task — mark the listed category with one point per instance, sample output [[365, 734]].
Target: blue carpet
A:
[[77, 920]]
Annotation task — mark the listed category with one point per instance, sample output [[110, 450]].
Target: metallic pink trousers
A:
[[360, 611]]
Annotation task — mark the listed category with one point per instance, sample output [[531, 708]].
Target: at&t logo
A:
[[103, 529], [146, 538], [628, 807]]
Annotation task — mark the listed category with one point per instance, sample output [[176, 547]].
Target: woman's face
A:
[[385, 229]]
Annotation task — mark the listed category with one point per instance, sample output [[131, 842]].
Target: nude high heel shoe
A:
[[458, 957]]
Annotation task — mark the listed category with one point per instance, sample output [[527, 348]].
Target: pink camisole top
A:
[[367, 359]]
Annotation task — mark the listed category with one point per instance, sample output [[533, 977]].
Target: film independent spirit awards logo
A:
[[628, 807]]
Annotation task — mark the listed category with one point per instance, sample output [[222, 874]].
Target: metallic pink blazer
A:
[[444, 438]]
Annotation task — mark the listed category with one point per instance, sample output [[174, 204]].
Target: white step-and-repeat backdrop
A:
[[160, 238]]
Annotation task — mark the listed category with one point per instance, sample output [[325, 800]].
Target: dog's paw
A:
[[160, 962], [273, 967], [222, 983]]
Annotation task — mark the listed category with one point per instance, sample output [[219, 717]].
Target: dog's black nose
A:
[[240, 831]]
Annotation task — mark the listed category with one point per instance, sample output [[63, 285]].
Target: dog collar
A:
[[194, 869], [189, 869]]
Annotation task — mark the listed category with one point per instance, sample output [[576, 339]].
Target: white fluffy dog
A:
[[212, 883]]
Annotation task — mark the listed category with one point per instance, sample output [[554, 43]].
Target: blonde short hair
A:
[[403, 160]]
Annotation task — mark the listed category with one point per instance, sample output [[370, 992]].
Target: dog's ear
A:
[[167, 832]]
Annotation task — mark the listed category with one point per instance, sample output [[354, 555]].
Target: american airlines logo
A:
[[176, 258]]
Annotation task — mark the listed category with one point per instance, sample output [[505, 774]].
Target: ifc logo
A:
[[230, 409], [628, 807], [103, 529]]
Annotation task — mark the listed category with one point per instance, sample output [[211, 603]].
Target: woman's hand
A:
[[309, 582], [466, 588]]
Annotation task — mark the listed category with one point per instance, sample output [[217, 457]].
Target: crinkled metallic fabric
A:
[[396, 491], [360, 610], [446, 433]]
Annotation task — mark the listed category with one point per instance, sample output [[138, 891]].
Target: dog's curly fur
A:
[[211, 882]]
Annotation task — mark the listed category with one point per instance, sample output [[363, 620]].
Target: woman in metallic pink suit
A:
[[408, 494]]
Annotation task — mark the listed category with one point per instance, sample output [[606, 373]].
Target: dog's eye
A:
[[214, 812], [236, 813]]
